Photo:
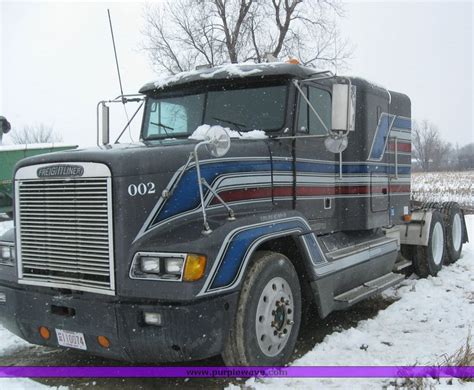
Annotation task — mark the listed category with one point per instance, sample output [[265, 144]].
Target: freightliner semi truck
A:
[[256, 193]]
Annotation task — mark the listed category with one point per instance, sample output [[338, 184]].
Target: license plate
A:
[[70, 339]]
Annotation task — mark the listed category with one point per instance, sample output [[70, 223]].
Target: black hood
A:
[[126, 159]]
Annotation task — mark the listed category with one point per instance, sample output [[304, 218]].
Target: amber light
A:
[[293, 61], [44, 332], [103, 341], [407, 217], [194, 268]]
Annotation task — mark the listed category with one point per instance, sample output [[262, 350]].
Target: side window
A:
[[321, 101], [303, 113], [308, 122]]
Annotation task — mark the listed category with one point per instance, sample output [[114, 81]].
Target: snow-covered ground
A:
[[444, 186], [431, 319]]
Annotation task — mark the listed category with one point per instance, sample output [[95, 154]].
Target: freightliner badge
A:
[[60, 171]]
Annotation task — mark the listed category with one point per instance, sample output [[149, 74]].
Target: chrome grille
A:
[[65, 233]]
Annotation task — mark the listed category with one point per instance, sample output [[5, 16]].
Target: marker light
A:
[[3, 297], [407, 217], [194, 268], [103, 341], [293, 61], [44, 332]]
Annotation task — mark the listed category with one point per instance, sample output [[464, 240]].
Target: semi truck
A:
[[257, 192]]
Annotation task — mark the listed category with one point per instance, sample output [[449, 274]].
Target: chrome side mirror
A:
[[343, 107], [336, 143], [218, 141], [105, 124]]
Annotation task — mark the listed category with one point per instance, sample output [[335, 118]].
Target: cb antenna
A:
[[124, 100], [115, 53]]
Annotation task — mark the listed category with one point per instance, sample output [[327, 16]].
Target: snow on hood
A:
[[205, 131]]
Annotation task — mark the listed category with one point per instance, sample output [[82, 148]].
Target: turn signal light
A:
[[194, 268], [103, 341], [407, 217], [44, 332]]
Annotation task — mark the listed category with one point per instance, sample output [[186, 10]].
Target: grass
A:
[[463, 357]]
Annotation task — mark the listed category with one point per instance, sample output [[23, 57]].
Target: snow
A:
[[431, 319], [443, 187], [232, 70], [204, 132]]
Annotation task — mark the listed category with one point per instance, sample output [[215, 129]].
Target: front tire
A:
[[428, 260], [268, 316]]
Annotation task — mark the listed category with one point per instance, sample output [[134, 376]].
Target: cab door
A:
[[315, 166]]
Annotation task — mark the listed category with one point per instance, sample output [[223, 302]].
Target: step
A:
[[401, 265], [361, 247], [369, 288]]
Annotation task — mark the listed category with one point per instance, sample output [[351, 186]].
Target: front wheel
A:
[[268, 316]]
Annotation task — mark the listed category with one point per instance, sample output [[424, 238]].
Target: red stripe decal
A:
[[302, 191], [402, 147]]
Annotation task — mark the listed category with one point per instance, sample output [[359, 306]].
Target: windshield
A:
[[242, 109]]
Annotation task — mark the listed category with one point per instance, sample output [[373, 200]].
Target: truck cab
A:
[[254, 189]]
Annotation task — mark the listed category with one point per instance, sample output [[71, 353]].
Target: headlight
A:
[[174, 266], [168, 266], [150, 264], [7, 253]]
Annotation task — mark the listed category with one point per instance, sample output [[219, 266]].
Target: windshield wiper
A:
[[236, 124], [163, 126]]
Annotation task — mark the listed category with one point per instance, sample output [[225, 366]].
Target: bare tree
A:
[[181, 34], [35, 134], [430, 151]]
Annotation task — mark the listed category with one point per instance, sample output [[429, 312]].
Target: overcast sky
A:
[[56, 60]]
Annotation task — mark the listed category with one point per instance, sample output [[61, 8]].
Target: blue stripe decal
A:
[[236, 251], [402, 123], [186, 195], [381, 136]]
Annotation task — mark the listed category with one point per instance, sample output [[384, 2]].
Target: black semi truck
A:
[[295, 188]]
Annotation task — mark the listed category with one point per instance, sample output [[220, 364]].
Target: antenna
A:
[[115, 53], [124, 100]]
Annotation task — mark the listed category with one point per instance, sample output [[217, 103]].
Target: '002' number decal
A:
[[141, 189]]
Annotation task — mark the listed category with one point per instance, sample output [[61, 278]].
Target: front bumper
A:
[[188, 331]]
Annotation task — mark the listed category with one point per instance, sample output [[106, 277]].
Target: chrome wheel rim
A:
[[437, 243], [456, 232], [274, 317]]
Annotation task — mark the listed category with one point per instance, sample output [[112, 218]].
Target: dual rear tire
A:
[[444, 243]]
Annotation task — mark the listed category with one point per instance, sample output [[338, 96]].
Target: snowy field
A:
[[444, 186], [431, 319]]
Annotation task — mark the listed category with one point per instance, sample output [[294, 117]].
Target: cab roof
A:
[[253, 71], [231, 71]]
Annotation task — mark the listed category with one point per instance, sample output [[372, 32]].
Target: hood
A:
[[145, 158]]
